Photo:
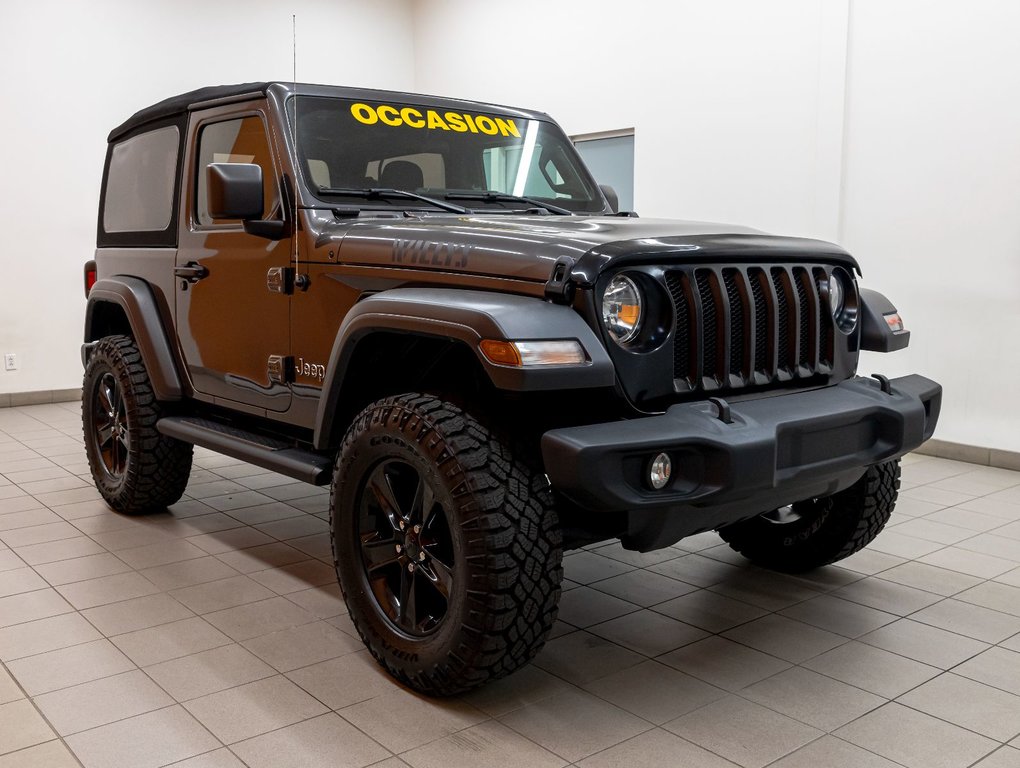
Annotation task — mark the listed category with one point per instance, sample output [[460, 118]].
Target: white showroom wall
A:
[[932, 197], [736, 105], [889, 127], [73, 70]]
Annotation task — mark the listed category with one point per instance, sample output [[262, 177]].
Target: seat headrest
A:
[[402, 174]]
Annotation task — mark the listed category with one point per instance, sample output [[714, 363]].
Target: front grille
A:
[[748, 326]]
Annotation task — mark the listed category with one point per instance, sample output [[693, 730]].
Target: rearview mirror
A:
[[234, 190]]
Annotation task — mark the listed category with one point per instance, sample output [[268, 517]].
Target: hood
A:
[[526, 247]]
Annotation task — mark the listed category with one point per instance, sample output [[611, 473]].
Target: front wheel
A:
[[446, 545], [813, 533]]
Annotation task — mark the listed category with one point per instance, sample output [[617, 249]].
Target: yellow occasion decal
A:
[[412, 117]]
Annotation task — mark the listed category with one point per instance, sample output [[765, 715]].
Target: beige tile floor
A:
[[214, 636]]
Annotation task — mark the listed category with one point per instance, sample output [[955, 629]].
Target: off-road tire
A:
[[156, 467], [504, 531], [827, 530]]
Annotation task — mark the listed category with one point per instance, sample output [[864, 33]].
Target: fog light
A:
[[658, 474]]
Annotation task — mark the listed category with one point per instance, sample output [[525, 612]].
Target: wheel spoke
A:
[[102, 418], [407, 615], [105, 434], [114, 455], [439, 575], [379, 553], [424, 501], [106, 398], [117, 402], [379, 485], [125, 445]]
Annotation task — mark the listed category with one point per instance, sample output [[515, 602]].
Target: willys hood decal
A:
[[527, 247]]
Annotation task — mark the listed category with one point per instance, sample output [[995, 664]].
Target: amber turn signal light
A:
[[501, 352], [526, 354]]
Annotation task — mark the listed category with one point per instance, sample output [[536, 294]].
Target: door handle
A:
[[191, 272]]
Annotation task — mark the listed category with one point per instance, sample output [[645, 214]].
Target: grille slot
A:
[[805, 341], [781, 284], [684, 329], [739, 331], [762, 328], [710, 326], [740, 326]]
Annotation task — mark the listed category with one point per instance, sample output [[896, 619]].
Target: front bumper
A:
[[776, 451]]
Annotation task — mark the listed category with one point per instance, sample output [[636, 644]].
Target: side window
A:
[[140, 182], [242, 140]]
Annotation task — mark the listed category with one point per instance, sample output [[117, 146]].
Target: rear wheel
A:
[[813, 533], [446, 545], [135, 468]]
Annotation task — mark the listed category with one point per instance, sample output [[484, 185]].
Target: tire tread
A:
[[159, 468], [839, 525], [508, 507]]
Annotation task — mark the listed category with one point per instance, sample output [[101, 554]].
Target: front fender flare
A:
[[142, 309], [468, 317], [876, 335]]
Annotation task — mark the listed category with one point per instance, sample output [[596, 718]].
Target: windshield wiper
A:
[[381, 193], [496, 197]]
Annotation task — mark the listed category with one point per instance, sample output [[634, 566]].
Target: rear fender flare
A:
[[145, 316]]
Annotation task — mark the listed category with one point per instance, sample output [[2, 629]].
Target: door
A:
[[232, 327]]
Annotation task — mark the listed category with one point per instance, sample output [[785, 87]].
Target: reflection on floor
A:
[[214, 636]]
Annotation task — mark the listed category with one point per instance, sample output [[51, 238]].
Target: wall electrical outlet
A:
[[10, 362]]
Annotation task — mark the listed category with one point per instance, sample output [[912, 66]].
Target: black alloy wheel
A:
[[406, 547], [110, 435], [446, 544]]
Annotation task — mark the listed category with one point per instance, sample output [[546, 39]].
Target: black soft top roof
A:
[[178, 105]]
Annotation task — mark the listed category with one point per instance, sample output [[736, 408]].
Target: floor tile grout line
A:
[[773, 612], [839, 738], [58, 736], [174, 703], [651, 725], [964, 727]]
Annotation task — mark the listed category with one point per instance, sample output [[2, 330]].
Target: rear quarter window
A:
[[140, 182]]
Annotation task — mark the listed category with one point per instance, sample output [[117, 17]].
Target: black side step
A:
[[256, 449]]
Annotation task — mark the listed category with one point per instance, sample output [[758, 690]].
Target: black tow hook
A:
[[883, 382], [723, 408]]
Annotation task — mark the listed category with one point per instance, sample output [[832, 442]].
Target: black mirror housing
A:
[[234, 190], [611, 197]]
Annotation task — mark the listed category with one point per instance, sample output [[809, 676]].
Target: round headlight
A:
[[836, 294], [842, 300], [621, 309]]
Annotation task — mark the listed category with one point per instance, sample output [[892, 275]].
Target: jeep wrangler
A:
[[431, 306]]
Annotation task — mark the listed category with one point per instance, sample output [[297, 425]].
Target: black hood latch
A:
[[559, 288]]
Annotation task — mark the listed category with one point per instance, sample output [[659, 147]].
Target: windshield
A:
[[345, 146]]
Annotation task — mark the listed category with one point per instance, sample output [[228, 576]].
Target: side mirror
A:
[[234, 190], [611, 197]]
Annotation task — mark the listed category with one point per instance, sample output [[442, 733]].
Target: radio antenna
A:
[[293, 130]]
